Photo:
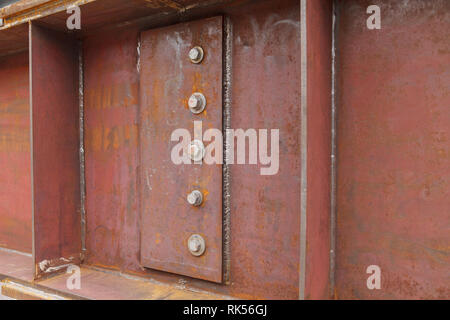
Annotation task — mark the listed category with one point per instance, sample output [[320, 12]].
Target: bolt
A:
[[197, 102], [196, 245], [196, 150], [196, 54], [195, 198]]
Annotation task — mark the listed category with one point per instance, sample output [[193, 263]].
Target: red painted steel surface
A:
[[56, 167], [111, 285], [111, 141], [319, 32], [168, 78], [393, 150], [16, 265], [265, 212], [14, 40], [15, 173], [265, 209]]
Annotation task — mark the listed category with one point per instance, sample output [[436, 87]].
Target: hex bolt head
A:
[[197, 103], [196, 245], [195, 198], [196, 150], [196, 54]]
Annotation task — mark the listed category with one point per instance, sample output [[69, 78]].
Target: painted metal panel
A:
[[265, 93], [393, 150], [111, 101], [14, 40], [319, 22], [15, 173], [55, 167], [265, 209], [16, 264], [168, 78]]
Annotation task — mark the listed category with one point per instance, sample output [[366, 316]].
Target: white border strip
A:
[[304, 148]]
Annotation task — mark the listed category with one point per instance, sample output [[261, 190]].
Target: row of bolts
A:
[[196, 103]]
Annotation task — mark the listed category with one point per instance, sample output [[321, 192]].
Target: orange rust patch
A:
[[108, 139]]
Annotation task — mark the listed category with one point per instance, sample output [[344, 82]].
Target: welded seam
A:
[[81, 150], [303, 147], [333, 157], [227, 100]]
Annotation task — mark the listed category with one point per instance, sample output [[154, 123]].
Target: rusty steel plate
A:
[[168, 78], [56, 166], [15, 173], [393, 167]]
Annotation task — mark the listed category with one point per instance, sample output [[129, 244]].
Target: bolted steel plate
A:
[[169, 78]]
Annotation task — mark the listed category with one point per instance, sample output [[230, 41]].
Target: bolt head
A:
[[195, 198], [194, 102], [197, 102], [196, 54], [196, 150], [191, 199], [196, 245]]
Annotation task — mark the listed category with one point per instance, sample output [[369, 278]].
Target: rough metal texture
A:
[[15, 175], [303, 144], [105, 14], [30, 10], [393, 150], [14, 40], [111, 285], [265, 210], [319, 22], [333, 156], [168, 78], [111, 100], [260, 213], [226, 168], [81, 146], [55, 164], [16, 264]]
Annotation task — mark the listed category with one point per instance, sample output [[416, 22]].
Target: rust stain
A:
[[111, 139], [118, 95]]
